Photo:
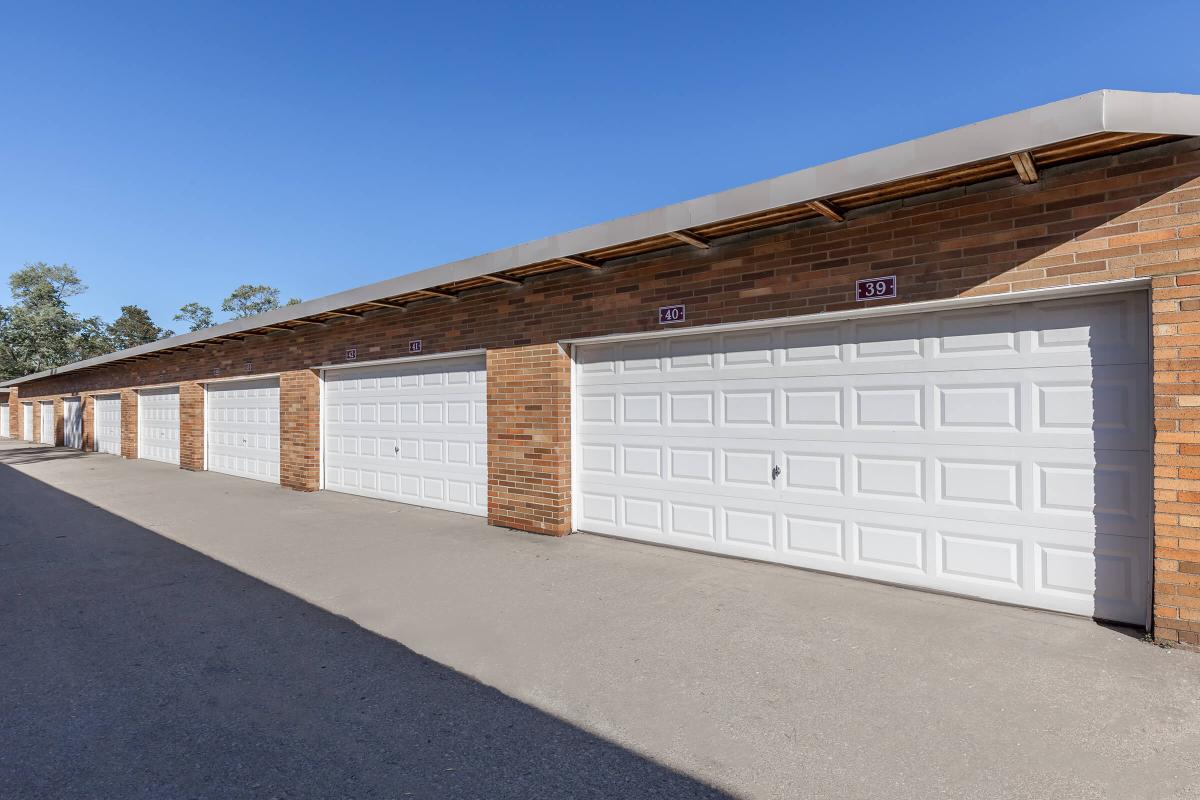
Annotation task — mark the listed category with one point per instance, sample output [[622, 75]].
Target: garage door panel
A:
[[413, 433], [1072, 489], [106, 422], [46, 422], [1105, 407], [158, 425], [5, 420], [1049, 334], [967, 451], [242, 433]]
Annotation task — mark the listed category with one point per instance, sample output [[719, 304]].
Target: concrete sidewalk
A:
[[622, 670]]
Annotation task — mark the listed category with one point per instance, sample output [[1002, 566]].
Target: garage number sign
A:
[[669, 314], [414, 346], [352, 354], [875, 288]]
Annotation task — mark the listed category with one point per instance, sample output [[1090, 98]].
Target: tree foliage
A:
[[38, 332], [249, 299], [134, 327], [197, 316]]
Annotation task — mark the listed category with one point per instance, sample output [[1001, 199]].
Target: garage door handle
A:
[[397, 448], [775, 472]]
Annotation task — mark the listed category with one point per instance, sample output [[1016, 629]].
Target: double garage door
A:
[[1000, 452]]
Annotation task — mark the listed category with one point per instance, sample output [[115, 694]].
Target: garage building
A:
[[966, 363]]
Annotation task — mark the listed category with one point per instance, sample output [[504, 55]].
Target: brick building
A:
[[968, 363]]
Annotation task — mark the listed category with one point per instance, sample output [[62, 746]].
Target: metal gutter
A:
[[1097, 112]]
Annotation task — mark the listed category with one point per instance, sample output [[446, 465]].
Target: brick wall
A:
[[59, 426], [300, 430], [191, 426], [129, 423], [14, 412], [87, 413], [1126, 216], [529, 438], [1176, 319]]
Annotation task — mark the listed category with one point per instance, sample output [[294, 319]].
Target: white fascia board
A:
[[1096, 112]]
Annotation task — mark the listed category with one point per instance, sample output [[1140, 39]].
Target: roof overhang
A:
[[1087, 126]]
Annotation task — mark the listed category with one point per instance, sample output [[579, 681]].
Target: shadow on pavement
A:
[[28, 453], [134, 667]]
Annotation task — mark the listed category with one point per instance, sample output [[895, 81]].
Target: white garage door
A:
[[46, 422], [72, 423], [243, 429], [158, 425], [414, 433], [998, 452], [4, 420], [27, 421], [106, 424]]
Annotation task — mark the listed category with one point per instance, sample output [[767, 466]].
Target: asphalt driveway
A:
[[170, 634]]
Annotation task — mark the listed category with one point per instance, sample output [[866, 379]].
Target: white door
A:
[[72, 423], [46, 422], [243, 429], [106, 424], [27, 421], [158, 425], [998, 452], [414, 433], [4, 422]]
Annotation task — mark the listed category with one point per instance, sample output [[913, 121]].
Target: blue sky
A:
[[171, 151]]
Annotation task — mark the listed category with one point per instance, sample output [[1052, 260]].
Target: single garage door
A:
[[46, 422], [1000, 452], [243, 429], [414, 433], [27, 421], [73, 423], [4, 421], [158, 425], [106, 424]]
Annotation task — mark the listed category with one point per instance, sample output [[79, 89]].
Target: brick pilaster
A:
[[191, 426], [529, 438], [300, 430], [14, 413], [1176, 320], [129, 423], [87, 410]]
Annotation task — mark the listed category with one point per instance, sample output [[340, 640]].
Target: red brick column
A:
[[1176, 321], [529, 438], [36, 430], [191, 426], [14, 413], [129, 423], [60, 427], [87, 408], [300, 430]]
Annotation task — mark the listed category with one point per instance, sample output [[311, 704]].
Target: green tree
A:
[[93, 339], [248, 300], [37, 331], [196, 316], [134, 327], [295, 301]]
